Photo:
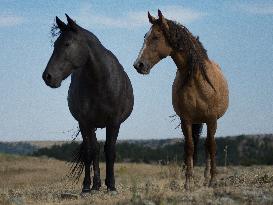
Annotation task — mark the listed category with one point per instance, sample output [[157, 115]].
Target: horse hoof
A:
[[187, 187], [112, 192], [213, 183], [206, 182], [94, 191], [95, 188], [189, 184], [85, 194], [85, 191]]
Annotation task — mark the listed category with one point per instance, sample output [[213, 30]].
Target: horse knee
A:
[[110, 152], [189, 148], [211, 146], [96, 149]]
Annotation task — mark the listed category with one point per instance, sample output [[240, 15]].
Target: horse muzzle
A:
[[51, 81], [141, 67]]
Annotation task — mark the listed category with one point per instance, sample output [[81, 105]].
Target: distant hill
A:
[[27, 147], [44, 144], [24, 148], [241, 150]]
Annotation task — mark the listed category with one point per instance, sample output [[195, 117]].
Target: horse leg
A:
[[211, 130], [189, 148], [196, 132], [207, 168], [96, 156], [91, 154], [110, 155], [86, 158]]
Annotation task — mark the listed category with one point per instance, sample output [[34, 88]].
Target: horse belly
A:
[[102, 105], [188, 104], [96, 111], [189, 108], [200, 103]]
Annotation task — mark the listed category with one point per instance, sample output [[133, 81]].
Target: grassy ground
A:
[[28, 180]]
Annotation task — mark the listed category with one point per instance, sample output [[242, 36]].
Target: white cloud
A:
[[9, 20], [134, 19], [261, 9]]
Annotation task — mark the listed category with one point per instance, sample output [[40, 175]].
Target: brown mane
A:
[[181, 39]]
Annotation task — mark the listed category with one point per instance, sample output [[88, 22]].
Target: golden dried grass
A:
[[40, 181]]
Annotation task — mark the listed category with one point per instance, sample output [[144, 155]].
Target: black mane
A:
[[54, 30]]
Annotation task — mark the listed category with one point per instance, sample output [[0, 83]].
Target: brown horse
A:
[[200, 91]]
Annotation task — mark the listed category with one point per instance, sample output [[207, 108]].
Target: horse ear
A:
[[162, 20], [72, 24], [61, 25], [151, 18]]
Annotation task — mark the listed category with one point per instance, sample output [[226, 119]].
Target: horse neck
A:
[[95, 69], [181, 61]]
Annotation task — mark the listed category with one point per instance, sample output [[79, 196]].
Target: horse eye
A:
[[66, 44], [155, 38]]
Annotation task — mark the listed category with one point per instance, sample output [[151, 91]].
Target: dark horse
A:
[[100, 94]]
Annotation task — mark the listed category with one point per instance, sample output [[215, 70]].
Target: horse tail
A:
[[77, 164], [196, 133]]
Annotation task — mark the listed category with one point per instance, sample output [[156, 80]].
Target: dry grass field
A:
[[29, 180]]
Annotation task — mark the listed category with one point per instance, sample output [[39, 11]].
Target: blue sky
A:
[[237, 34]]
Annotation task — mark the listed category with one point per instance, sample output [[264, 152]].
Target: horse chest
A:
[[191, 103], [89, 106]]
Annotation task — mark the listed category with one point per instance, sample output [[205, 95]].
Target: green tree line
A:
[[241, 150]]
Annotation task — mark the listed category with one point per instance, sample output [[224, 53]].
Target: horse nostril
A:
[[47, 77], [140, 65]]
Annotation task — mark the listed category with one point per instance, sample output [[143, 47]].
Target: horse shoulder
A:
[[183, 96]]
